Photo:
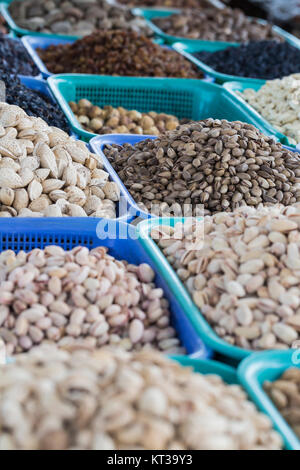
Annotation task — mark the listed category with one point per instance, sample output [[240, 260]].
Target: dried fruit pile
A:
[[285, 393], [259, 59], [115, 401], [123, 53], [44, 172], [278, 102], [212, 24], [81, 297], [15, 59], [73, 17], [243, 273], [32, 102], [220, 164], [109, 120]]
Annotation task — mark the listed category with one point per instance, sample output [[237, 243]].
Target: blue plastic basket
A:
[[269, 366], [210, 367], [97, 145], [37, 84], [119, 238], [32, 43]]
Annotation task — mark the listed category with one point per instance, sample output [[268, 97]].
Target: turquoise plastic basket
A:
[[200, 324], [17, 31], [206, 367], [195, 99], [270, 365], [238, 85], [150, 13], [189, 47]]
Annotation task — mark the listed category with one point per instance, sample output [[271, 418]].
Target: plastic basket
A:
[[185, 98], [97, 145], [37, 84], [205, 367], [4, 10], [150, 13], [199, 322], [32, 43], [241, 86], [121, 241], [189, 47], [258, 368]]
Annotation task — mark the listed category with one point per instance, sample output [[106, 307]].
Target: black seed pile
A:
[[33, 102], [262, 59], [15, 58]]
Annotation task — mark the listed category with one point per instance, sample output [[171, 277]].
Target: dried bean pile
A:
[[44, 172], [81, 296], [262, 59], [243, 274], [109, 400], [33, 102], [278, 101], [213, 24], [109, 120], [15, 59], [122, 53], [74, 17], [285, 393], [219, 164]]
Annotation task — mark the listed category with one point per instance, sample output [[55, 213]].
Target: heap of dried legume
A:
[[51, 399], [242, 272], [78, 296]]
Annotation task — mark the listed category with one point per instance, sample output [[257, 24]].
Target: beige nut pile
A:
[[212, 164], [81, 296], [46, 173], [245, 276], [110, 120], [285, 393], [278, 101], [109, 400]]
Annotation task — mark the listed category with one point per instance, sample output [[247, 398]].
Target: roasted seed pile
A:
[[33, 102], [212, 24], [73, 17], [122, 53], [219, 164], [15, 59], [245, 276], [109, 120], [262, 59], [109, 400], [278, 101], [285, 393], [81, 297], [44, 172]]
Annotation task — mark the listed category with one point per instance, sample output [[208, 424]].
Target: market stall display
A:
[[110, 325]]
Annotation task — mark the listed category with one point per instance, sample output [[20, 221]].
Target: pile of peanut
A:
[[46, 173], [243, 272], [278, 101], [285, 393], [81, 296], [111, 400], [110, 120]]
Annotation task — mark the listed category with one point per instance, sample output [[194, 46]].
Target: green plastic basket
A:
[[185, 98], [4, 11], [150, 13], [270, 365], [200, 324], [238, 85], [189, 47]]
